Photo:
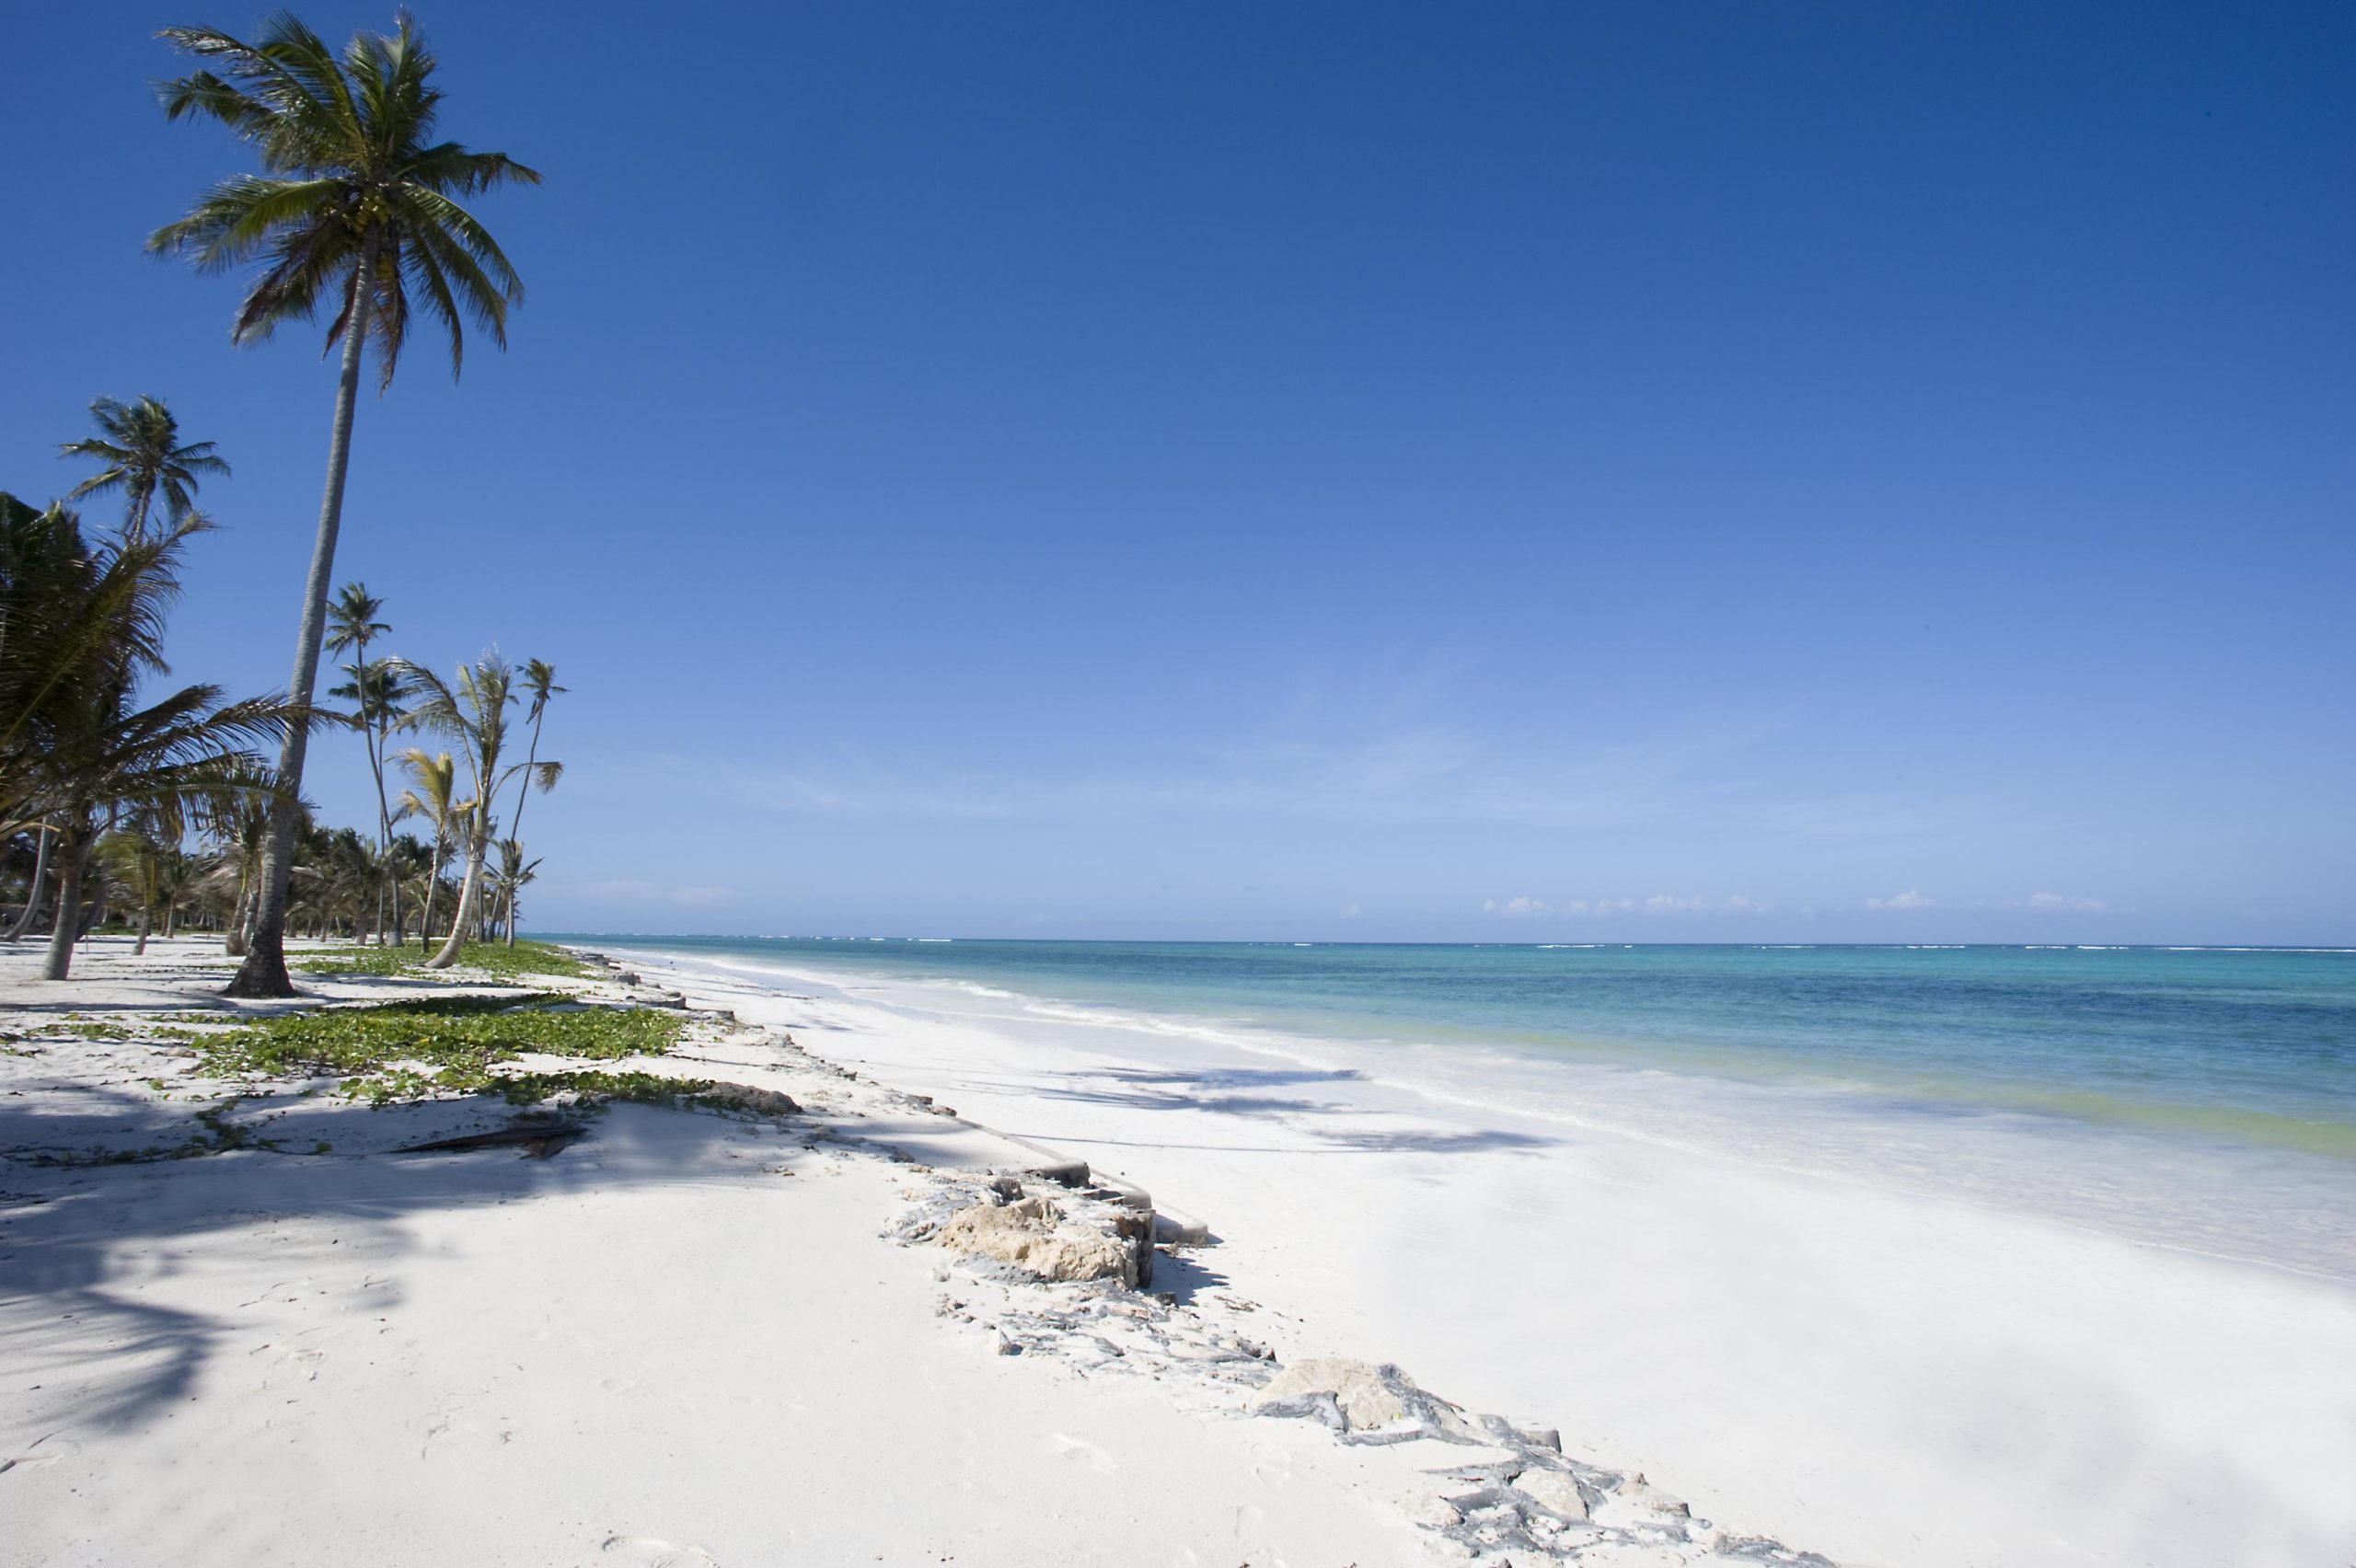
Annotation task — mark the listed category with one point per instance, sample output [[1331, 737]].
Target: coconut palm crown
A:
[[357, 210], [358, 207], [140, 454]]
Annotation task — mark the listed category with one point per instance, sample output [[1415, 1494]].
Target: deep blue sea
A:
[[2202, 1097]]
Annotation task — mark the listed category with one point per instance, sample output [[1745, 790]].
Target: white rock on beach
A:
[[1355, 1386], [1032, 1235], [1552, 1489]]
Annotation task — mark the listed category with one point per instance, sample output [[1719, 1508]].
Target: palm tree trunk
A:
[[368, 733], [264, 973], [67, 931], [385, 839], [36, 892], [433, 886], [233, 930], [516, 828], [469, 893]]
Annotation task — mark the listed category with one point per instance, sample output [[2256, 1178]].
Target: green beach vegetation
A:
[[411, 1050], [164, 807]]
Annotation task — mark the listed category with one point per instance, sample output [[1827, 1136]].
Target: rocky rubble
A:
[[1036, 1275]]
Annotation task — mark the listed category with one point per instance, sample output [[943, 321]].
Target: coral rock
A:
[[1357, 1387]]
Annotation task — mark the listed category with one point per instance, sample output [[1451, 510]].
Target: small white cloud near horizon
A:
[[2064, 901], [1522, 908], [1528, 908], [1910, 899], [1349, 911]]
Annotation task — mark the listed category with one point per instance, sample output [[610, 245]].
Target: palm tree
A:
[[68, 608], [176, 874], [376, 688], [539, 680], [111, 751], [237, 835], [356, 205], [36, 887], [144, 857], [473, 709], [81, 627], [433, 796], [514, 872], [139, 446]]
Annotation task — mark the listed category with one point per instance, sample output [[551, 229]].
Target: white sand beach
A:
[[692, 1336], [721, 1336], [1884, 1376]]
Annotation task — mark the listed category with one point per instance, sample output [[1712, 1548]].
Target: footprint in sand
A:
[[645, 1551], [41, 1451], [1082, 1449], [1271, 1466]]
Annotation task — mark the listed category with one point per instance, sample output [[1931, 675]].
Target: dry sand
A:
[[691, 1337]]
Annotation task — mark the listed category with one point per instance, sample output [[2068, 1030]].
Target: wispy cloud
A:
[[1526, 908], [2064, 901], [1910, 899], [666, 892], [1414, 773]]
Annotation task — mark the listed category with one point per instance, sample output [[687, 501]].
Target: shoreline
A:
[[2214, 1390], [768, 1301], [729, 1324]]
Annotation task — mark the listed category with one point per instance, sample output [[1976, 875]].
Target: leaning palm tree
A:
[[139, 447], [377, 689], [472, 710], [356, 206], [36, 886], [433, 795], [539, 680]]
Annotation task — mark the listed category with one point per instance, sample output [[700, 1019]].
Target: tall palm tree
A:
[[375, 688], [539, 681], [473, 710], [356, 206], [433, 795], [139, 446]]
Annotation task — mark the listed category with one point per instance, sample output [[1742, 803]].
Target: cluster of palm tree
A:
[[393, 695], [356, 209], [164, 808], [90, 748]]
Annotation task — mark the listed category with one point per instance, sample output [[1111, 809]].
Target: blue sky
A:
[[1662, 472]]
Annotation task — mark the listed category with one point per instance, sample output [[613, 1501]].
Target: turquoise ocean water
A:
[[2204, 1088]]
